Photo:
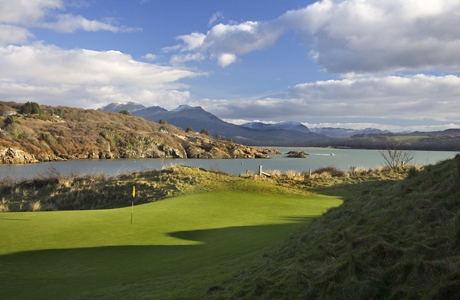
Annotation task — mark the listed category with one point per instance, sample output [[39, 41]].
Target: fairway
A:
[[47, 255]]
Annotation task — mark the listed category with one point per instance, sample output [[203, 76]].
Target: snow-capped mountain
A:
[[285, 125], [346, 132], [118, 106], [185, 107]]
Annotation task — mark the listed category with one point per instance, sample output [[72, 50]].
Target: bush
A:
[[11, 120], [332, 171], [124, 112], [204, 131]]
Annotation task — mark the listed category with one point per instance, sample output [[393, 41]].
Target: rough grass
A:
[[99, 191], [397, 236], [58, 254], [395, 240]]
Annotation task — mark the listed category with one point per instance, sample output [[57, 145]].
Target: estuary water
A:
[[319, 157]]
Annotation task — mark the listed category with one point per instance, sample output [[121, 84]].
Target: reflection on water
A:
[[339, 158]]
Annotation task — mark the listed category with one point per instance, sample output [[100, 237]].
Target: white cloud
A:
[[225, 42], [10, 34], [359, 36], [68, 23], [215, 16], [192, 41], [181, 58], [374, 36], [27, 12], [44, 14], [49, 74], [415, 97], [150, 56], [226, 59], [383, 126]]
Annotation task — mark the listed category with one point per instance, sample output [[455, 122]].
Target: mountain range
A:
[[254, 133]]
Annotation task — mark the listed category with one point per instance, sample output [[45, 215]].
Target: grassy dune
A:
[[392, 240], [396, 235], [57, 254]]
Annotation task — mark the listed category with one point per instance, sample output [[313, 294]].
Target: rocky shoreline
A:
[[213, 151]]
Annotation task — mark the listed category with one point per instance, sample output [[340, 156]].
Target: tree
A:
[[189, 129], [59, 112], [204, 131], [163, 121], [395, 158], [218, 137], [11, 120], [31, 108], [124, 112]]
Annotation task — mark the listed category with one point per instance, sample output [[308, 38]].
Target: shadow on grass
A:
[[51, 274], [347, 191], [11, 219]]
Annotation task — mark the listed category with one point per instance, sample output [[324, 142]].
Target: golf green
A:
[[45, 255]]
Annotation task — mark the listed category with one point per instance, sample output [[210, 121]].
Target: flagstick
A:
[[132, 203]]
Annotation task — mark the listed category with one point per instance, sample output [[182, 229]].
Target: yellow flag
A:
[[134, 191]]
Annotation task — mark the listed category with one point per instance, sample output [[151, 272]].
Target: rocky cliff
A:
[[15, 156], [89, 134]]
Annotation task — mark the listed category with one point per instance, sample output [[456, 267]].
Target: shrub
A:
[[397, 159], [4, 207], [35, 206], [11, 120], [124, 112], [274, 173], [332, 171], [204, 131], [290, 174]]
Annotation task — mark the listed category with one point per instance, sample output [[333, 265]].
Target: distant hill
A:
[[286, 125], [196, 117], [346, 132], [293, 133], [447, 140]]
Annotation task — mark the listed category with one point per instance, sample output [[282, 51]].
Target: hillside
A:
[[448, 140], [392, 241], [197, 118], [61, 133]]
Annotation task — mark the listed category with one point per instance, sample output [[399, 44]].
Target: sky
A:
[[392, 65]]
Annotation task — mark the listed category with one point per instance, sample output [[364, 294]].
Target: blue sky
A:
[[390, 64]]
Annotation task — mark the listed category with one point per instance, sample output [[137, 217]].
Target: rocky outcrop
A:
[[15, 156], [202, 150], [297, 154]]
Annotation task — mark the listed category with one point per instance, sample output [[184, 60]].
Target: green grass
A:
[[389, 240], [408, 137], [49, 255]]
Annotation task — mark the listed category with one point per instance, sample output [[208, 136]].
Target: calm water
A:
[[341, 158]]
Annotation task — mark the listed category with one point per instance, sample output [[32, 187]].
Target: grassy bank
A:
[[394, 240], [57, 254], [396, 236]]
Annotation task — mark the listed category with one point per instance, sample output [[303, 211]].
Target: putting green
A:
[[58, 254]]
